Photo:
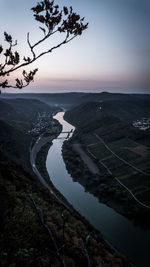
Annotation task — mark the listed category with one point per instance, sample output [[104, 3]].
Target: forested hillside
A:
[[17, 118]]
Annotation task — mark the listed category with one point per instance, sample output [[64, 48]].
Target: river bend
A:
[[122, 233]]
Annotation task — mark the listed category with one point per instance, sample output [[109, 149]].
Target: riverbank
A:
[[101, 187], [122, 233], [41, 164], [123, 182]]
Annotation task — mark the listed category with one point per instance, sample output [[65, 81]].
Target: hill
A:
[[14, 144], [20, 113], [17, 119], [121, 153], [126, 110], [36, 230], [70, 100], [26, 240]]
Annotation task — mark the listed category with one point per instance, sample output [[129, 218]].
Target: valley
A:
[[121, 153], [106, 155]]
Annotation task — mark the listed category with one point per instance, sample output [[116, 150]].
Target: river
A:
[[130, 239]]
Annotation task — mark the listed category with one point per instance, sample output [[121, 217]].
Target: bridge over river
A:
[[65, 132]]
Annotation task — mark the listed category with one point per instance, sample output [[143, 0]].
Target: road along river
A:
[[130, 239]]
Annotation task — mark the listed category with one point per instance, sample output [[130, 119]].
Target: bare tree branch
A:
[[31, 47], [63, 21]]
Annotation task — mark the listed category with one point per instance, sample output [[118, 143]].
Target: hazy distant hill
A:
[[68, 100]]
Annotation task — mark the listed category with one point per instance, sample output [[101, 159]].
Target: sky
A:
[[113, 54]]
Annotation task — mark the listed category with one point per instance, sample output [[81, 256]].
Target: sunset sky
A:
[[113, 54]]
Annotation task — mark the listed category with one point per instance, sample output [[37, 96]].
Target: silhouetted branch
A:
[[43, 39], [54, 21], [31, 48], [27, 78]]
